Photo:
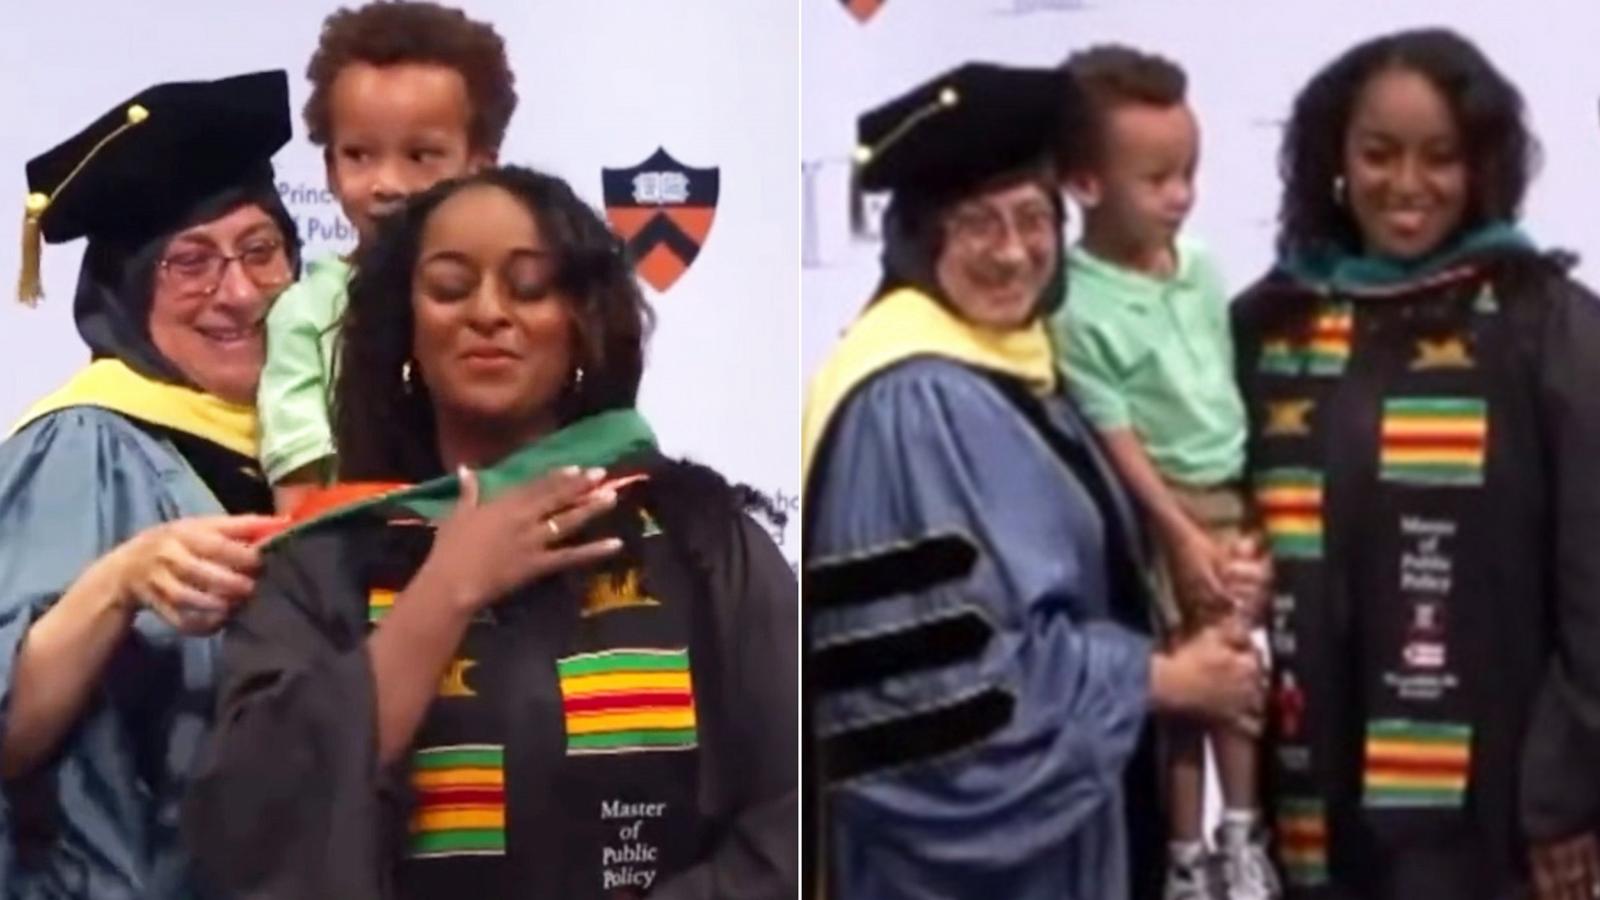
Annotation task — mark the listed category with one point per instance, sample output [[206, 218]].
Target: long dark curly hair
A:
[[383, 426], [1500, 151]]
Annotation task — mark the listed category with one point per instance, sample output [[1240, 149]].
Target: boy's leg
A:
[[1186, 782], [1247, 870], [1236, 769], [1191, 873], [1241, 841], [1184, 750]]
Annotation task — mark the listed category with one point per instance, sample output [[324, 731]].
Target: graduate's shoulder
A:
[[326, 569], [721, 518]]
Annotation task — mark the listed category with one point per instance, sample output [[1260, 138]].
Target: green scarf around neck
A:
[[1335, 270], [599, 440]]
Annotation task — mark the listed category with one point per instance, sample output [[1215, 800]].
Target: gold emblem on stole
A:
[[454, 681], [608, 593], [1445, 353], [1288, 418]]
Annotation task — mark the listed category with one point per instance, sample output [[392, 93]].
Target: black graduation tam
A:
[[962, 128], [142, 166]]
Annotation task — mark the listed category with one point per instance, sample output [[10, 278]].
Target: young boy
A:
[[403, 95], [1144, 340]]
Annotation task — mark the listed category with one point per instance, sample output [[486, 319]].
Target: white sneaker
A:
[[1247, 871], [1197, 882]]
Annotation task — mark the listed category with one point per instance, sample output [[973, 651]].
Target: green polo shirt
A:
[[297, 380], [1156, 355]]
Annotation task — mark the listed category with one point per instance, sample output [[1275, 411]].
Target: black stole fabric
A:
[[1374, 621], [606, 825]]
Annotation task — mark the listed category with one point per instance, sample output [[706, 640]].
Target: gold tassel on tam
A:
[[864, 155], [29, 289]]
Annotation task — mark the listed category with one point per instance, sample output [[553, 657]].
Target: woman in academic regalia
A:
[[1425, 449], [976, 614], [520, 681], [125, 496]]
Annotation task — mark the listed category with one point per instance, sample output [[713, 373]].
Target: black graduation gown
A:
[[646, 747], [1427, 462]]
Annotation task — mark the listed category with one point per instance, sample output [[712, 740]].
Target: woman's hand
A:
[[485, 552], [1215, 675], [1567, 869], [193, 572]]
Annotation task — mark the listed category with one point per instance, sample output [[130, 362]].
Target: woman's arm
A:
[[287, 798], [60, 661], [192, 572], [1560, 779], [755, 773]]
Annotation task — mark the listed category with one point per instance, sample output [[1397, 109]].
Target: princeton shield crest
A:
[[863, 9], [663, 209]]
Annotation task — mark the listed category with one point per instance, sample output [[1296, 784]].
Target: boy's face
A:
[[396, 130], [1144, 187]]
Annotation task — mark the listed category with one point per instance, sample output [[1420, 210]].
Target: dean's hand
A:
[[1215, 675], [194, 572]]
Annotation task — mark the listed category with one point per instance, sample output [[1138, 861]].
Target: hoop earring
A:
[[405, 376], [1339, 190], [577, 380]]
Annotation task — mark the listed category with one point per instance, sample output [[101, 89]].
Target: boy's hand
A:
[[1247, 578]]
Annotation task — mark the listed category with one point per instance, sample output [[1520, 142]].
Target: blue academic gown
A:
[[1034, 809], [73, 485]]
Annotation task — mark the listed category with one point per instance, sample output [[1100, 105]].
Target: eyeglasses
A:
[[986, 226], [200, 270]]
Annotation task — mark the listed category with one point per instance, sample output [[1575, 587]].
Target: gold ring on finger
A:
[[555, 530]]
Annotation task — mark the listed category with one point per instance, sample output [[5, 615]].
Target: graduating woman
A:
[[521, 681], [1425, 447], [977, 614], [118, 557]]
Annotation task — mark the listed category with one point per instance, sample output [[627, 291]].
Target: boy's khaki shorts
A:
[[1221, 512]]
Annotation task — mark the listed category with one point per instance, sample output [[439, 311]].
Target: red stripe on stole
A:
[[1433, 441], [461, 796], [1377, 762], [1293, 841], [1288, 508], [625, 700]]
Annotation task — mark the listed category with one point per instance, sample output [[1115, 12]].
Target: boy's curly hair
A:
[[390, 32], [1110, 76]]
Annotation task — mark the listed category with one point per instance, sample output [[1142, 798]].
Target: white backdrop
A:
[[603, 84], [1245, 59]]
